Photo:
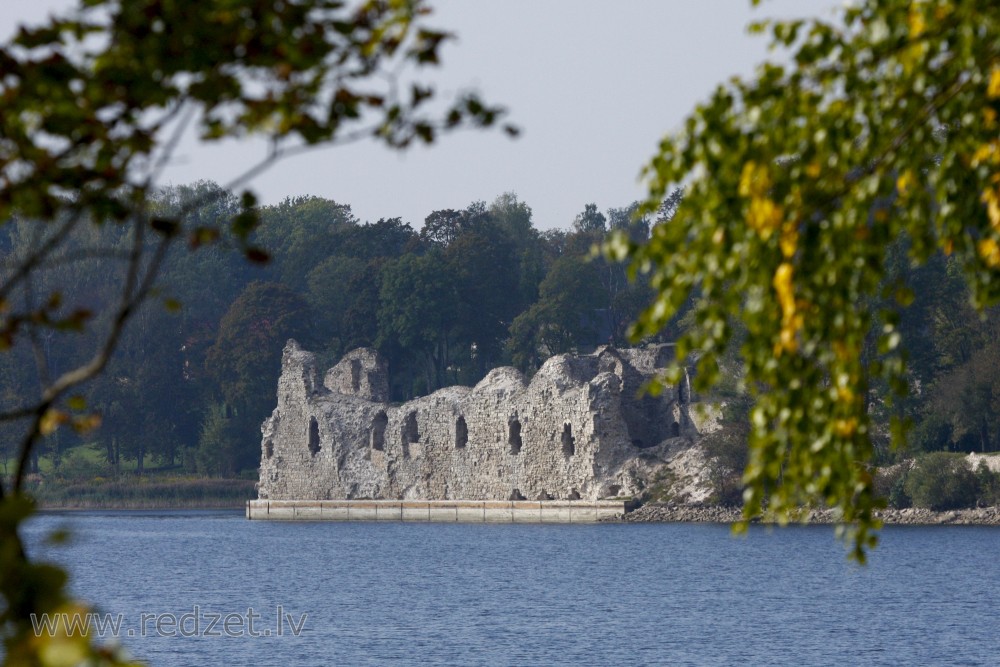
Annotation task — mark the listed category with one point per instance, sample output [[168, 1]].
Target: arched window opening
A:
[[516, 495], [675, 430], [461, 433], [410, 433], [568, 441], [355, 375], [313, 436], [379, 423], [514, 435]]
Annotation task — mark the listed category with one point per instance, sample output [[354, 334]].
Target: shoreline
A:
[[88, 507], [144, 493], [650, 513], [671, 513]]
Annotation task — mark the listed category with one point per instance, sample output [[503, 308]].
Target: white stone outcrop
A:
[[581, 429]]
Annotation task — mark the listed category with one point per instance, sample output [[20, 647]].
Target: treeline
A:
[[195, 371], [476, 287], [953, 402]]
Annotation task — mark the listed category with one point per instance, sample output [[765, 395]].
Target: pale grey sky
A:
[[593, 85]]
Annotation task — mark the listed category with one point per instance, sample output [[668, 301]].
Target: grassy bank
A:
[[82, 479], [146, 492]]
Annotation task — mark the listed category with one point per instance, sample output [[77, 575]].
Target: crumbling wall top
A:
[[505, 380], [362, 373], [299, 368]]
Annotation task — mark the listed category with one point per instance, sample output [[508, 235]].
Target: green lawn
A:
[[84, 479]]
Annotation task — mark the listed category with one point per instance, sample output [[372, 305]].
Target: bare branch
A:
[[41, 360], [135, 291], [175, 138], [32, 262], [83, 255]]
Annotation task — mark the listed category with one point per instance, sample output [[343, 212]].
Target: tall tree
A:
[[483, 262], [567, 315], [245, 360], [147, 404], [590, 220], [419, 311], [514, 216], [301, 233]]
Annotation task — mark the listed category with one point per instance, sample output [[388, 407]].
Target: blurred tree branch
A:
[[882, 127], [94, 104]]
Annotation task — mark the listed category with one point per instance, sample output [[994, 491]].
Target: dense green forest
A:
[[471, 289], [195, 373]]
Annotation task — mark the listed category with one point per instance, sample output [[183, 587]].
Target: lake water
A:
[[482, 594]]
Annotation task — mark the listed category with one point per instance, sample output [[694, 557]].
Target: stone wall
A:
[[578, 430]]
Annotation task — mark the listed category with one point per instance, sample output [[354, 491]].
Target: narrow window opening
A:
[[355, 375], [514, 435], [410, 433], [461, 433], [675, 430], [379, 423], [268, 448], [568, 441], [313, 436]]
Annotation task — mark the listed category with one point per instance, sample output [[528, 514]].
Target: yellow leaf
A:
[[51, 420], [917, 25], [991, 198], [904, 183], [86, 423], [993, 89], [845, 428], [791, 322], [789, 239], [916, 21], [764, 216], [989, 250], [986, 153], [754, 180]]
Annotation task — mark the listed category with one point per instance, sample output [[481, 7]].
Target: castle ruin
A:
[[581, 429]]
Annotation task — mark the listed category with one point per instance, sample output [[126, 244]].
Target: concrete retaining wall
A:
[[468, 511]]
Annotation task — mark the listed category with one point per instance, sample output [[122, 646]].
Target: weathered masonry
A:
[[437, 511], [580, 430]]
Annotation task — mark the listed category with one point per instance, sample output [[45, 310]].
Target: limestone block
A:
[[362, 512]]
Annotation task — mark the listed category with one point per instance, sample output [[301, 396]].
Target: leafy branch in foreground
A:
[[883, 127], [94, 104]]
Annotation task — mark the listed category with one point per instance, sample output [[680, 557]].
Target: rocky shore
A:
[[663, 512]]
